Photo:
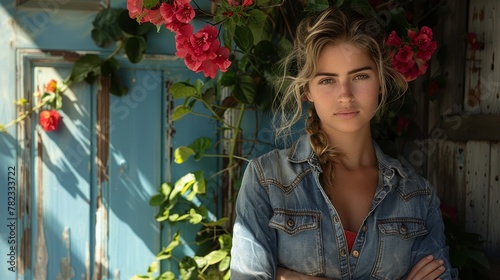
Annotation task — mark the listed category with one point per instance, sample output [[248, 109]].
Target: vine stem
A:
[[22, 116]]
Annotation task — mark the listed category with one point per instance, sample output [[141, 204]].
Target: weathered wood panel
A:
[[477, 181], [481, 76], [493, 244], [450, 180]]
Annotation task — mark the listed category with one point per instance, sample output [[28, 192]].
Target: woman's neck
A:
[[357, 148]]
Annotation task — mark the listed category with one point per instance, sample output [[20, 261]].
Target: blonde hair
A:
[[332, 26]]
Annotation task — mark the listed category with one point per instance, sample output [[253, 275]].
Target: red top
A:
[[351, 237]]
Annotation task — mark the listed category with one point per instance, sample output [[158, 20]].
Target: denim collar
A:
[[301, 151]]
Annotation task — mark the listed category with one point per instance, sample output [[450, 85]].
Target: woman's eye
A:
[[361, 77], [326, 81]]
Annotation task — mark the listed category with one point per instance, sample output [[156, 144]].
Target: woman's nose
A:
[[345, 94]]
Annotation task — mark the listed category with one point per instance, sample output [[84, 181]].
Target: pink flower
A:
[[135, 9], [427, 53], [404, 54], [153, 16], [402, 66], [393, 40], [177, 14], [202, 51], [184, 12]]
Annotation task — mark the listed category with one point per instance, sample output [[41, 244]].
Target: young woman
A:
[[333, 205]]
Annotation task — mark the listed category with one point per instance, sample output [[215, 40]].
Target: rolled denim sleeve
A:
[[254, 251], [434, 243]]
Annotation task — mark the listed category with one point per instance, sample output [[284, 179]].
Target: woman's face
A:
[[345, 89]]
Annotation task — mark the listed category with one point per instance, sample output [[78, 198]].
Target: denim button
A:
[[336, 219], [364, 228], [388, 172], [290, 222], [404, 228], [342, 252], [355, 253]]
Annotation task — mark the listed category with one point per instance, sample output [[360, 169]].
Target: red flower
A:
[[427, 54], [404, 54], [49, 120], [51, 86], [177, 15], [393, 40], [423, 39], [135, 9], [153, 16], [202, 51]]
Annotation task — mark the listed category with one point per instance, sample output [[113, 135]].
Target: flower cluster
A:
[[201, 51], [49, 119], [410, 55]]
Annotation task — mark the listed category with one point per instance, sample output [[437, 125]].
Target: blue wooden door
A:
[[83, 190]]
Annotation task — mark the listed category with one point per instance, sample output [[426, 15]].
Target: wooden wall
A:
[[464, 123]]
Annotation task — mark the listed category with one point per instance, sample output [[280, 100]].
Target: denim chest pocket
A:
[[299, 240], [396, 239]]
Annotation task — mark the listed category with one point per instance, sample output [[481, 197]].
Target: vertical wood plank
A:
[[474, 65], [493, 242], [62, 189], [477, 181], [490, 75], [451, 176]]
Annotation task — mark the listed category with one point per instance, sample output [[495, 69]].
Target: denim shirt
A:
[[284, 218]]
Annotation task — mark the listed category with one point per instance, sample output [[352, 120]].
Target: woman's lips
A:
[[346, 114]]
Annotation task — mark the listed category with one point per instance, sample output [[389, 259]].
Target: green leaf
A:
[[200, 145], [134, 48], [226, 242], [182, 90], [131, 26], [245, 90], [317, 5], [188, 269], [219, 222], [150, 4], [179, 112], [87, 65], [257, 24], [224, 264], [228, 78], [157, 199], [178, 218], [265, 51], [194, 217], [182, 153], [169, 275], [198, 85], [199, 186], [106, 21], [183, 184], [166, 253], [110, 69], [101, 38], [243, 38], [166, 188], [229, 27], [200, 261], [215, 256]]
